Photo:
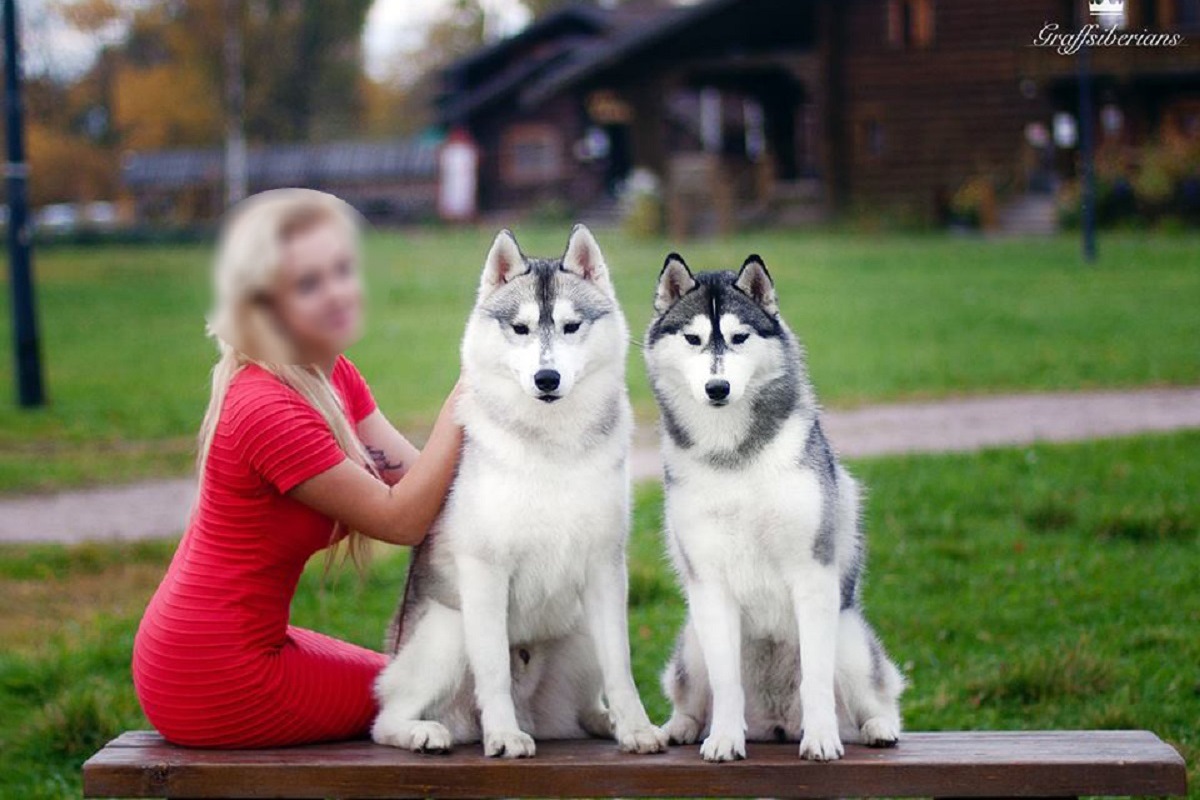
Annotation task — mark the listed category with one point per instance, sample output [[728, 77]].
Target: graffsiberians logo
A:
[[1107, 29]]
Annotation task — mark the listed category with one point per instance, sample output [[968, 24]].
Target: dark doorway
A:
[[783, 102], [620, 157]]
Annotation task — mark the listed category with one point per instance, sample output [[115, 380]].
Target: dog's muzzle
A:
[[547, 381], [717, 391]]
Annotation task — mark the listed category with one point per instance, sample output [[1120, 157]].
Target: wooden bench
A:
[[1034, 764]]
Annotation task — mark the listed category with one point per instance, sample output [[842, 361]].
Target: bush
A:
[[642, 205], [974, 204], [135, 235], [1158, 183]]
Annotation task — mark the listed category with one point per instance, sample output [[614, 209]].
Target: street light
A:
[[1087, 155]]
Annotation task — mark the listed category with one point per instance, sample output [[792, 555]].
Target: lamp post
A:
[[1087, 154], [30, 391]]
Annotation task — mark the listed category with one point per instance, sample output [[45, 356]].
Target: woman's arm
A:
[[401, 513], [392, 454]]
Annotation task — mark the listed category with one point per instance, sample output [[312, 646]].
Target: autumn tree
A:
[[302, 63], [402, 102]]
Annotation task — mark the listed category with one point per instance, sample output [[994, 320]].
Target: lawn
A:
[[885, 317], [1046, 587]]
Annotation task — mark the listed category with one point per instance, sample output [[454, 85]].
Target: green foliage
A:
[[997, 582], [643, 212], [974, 203], [1158, 183]]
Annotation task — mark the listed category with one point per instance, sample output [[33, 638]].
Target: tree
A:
[[402, 102], [302, 64], [66, 167]]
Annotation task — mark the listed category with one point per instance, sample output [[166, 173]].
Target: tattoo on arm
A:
[[381, 460]]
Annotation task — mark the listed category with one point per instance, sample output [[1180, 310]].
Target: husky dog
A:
[[513, 623], [762, 524]]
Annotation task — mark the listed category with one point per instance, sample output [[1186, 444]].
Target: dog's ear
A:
[[756, 282], [583, 258], [674, 282], [504, 262]]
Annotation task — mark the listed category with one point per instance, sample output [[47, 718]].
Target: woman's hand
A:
[[400, 513]]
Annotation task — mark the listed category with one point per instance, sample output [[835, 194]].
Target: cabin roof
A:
[[546, 59], [553, 62]]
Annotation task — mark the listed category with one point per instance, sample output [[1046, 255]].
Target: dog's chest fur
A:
[[536, 512], [750, 528]]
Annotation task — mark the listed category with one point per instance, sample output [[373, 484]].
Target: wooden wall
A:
[[921, 120], [577, 185]]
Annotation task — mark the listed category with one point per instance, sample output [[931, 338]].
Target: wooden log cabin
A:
[[795, 109]]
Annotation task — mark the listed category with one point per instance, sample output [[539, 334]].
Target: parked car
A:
[[56, 218], [100, 214]]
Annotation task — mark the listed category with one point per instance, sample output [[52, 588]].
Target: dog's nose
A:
[[717, 389], [546, 380]]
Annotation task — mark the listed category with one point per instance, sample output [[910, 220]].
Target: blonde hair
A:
[[249, 256]]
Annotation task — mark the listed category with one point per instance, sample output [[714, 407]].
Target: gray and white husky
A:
[[762, 524], [513, 623]]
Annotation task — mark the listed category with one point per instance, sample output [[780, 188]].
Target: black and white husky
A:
[[513, 623], [762, 523]]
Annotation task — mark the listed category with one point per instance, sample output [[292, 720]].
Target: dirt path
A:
[[159, 508]]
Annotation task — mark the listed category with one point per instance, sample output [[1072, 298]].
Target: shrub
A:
[[641, 202], [1157, 183]]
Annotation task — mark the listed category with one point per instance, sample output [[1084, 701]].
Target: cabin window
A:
[[532, 154], [910, 23]]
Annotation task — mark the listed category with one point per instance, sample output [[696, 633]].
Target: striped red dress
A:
[[215, 662]]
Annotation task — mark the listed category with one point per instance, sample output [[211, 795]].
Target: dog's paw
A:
[[430, 737], [508, 744], [880, 732], [724, 747], [821, 743], [392, 732], [682, 729], [641, 739]]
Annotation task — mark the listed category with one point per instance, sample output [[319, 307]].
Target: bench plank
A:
[[984, 764]]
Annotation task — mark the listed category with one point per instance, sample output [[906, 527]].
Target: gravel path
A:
[[159, 508]]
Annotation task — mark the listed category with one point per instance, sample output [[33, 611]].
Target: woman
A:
[[294, 457]]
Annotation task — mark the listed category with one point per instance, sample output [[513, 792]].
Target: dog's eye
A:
[[691, 339], [571, 327], [520, 330], [739, 338]]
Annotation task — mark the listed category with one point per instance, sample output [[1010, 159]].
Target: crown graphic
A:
[[1106, 6]]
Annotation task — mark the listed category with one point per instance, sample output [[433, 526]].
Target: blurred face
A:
[[318, 295]]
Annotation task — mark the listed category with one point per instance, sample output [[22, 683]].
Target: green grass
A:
[[1049, 587], [886, 317]]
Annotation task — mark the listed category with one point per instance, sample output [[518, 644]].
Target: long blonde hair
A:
[[249, 256]]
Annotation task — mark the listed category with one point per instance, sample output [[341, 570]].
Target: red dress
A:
[[215, 662]]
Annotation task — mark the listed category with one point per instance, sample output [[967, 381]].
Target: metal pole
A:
[[235, 135], [1087, 152], [30, 391]]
